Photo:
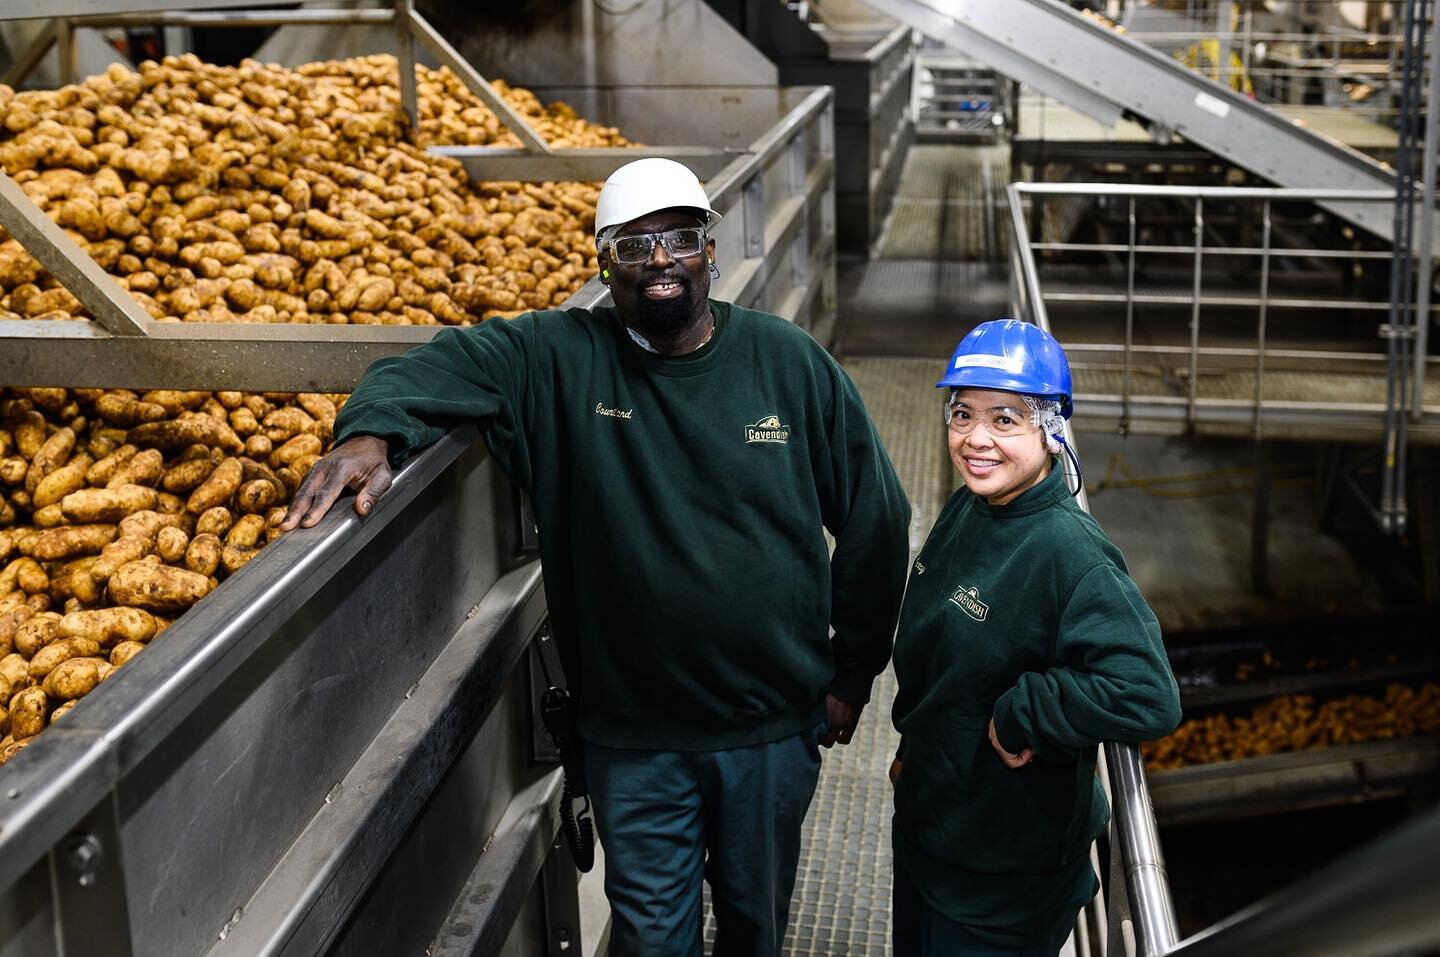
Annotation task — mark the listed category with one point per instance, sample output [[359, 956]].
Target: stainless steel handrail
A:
[[1152, 912]]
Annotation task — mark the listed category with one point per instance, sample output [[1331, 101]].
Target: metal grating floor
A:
[[949, 205], [841, 906]]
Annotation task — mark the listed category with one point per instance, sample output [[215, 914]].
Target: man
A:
[[684, 456]]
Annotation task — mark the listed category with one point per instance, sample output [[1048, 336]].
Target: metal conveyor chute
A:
[[1060, 52]]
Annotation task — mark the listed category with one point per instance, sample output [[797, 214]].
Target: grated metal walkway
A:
[[842, 896], [949, 205]]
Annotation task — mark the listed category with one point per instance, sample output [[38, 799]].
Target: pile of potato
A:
[[1297, 723], [262, 194], [118, 512]]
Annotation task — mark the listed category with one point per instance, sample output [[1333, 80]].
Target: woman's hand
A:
[[1012, 761], [895, 773]]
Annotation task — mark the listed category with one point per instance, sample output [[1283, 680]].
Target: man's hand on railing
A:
[[361, 463]]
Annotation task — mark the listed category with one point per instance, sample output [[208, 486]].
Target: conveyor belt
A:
[[1054, 49]]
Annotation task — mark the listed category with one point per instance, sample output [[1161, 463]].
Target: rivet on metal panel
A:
[[83, 856]]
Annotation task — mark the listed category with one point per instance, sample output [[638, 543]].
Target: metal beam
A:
[[240, 18], [49, 9], [30, 57], [449, 56], [585, 164], [72, 267], [208, 356]]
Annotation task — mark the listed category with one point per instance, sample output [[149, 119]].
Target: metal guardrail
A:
[[1381, 899], [1143, 922], [1400, 417]]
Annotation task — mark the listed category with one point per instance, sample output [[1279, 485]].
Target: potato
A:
[[25, 572], [246, 532], [61, 711], [203, 554], [27, 714], [5, 694], [37, 633], [157, 587], [51, 516], [124, 651], [257, 496], [47, 658], [108, 504], [214, 521], [62, 481], [16, 671], [298, 447], [234, 557], [4, 714], [218, 488], [74, 678], [187, 476], [49, 457], [178, 433], [170, 544], [104, 470], [56, 544], [108, 627], [13, 748], [123, 408], [143, 468], [147, 524], [10, 621]]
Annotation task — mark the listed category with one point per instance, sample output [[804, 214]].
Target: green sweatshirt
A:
[[681, 504], [1024, 613]]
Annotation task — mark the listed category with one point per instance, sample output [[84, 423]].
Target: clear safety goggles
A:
[[1000, 422], [681, 243]]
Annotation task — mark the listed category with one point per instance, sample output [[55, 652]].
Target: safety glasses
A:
[[1000, 422], [681, 243]]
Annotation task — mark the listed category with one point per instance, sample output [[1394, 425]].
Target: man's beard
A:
[[664, 318]]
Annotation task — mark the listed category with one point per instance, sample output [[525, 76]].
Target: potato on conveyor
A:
[[108, 627], [108, 504], [74, 678], [28, 711], [157, 587], [47, 659]]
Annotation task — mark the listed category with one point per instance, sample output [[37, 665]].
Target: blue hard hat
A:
[[1010, 355]]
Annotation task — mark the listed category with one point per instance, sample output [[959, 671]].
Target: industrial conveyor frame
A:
[[775, 248], [313, 759], [315, 756]]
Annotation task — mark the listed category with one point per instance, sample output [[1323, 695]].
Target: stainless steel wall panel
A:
[[251, 766]]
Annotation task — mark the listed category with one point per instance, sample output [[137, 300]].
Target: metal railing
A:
[[1380, 899], [1400, 413], [1133, 914]]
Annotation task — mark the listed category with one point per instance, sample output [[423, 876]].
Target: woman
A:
[[1022, 644]]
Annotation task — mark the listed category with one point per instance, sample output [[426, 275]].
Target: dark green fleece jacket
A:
[[681, 504], [1024, 613]]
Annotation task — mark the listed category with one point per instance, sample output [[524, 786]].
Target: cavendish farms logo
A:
[[969, 601], [768, 429], [613, 413]]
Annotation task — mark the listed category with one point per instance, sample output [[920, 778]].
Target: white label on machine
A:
[[1212, 104]]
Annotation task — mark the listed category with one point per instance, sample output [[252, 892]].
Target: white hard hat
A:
[[646, 185]]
